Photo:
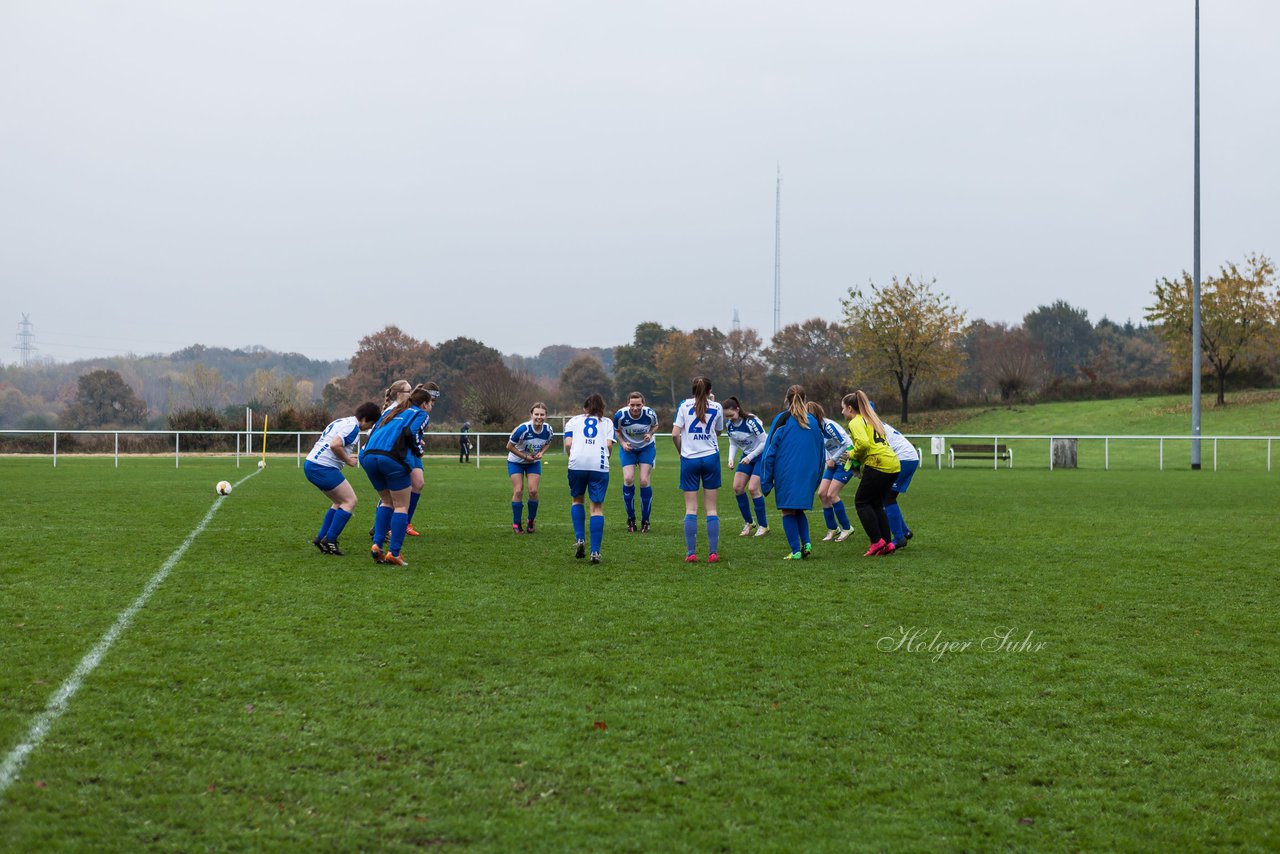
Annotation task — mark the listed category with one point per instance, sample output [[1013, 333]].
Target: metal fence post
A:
[[995, 453], [1050, 453], [1106, 453], [1162, 453], [299, 450], [477, 452], [237, 450], [1215, 453], [55, 448], [176, 453], [117, 450]]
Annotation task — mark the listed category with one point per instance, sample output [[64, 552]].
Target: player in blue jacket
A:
[[793, 463], [635, 425], [386, 459]]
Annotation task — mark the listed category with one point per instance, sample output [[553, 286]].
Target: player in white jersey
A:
[[525, 448], [834, 475], [747, 438], [696, 433], [323, 468], [588, 439], [636, 424], [909, 458]]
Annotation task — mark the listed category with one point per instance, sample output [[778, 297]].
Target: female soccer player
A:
[[793, 462], [335, 448], [880, 469], [834, 476], [416, 476], [635, 425], [587, 439], [393, 441], [747, 437], [696, 432], [525, 448], [909, 459]]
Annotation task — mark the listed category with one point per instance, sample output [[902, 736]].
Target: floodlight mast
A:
[[1195, 273]]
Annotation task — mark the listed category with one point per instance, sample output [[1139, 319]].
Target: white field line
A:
[[58, 702]]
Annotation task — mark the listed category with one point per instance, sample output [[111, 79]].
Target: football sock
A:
[[842, 515], [413, 504], [713, 534], [597, 533], [802, 521], [629, 499], [340, 519], [691, 533], [578, 514], [646, 501], [896, 525], [533, 509], [744, 505], [381, 523], [792, 530], [759, 505], [399, 524], [517, 512], [324, 526], [829, 514]]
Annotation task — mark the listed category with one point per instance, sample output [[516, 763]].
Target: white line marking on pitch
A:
[[58, 703]]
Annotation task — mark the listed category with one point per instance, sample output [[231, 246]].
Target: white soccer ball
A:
[[223, 488], [262, 464]]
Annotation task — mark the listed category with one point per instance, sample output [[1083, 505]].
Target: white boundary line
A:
[[58, 703]]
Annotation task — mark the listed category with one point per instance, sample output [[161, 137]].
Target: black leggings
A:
[[873, 491]]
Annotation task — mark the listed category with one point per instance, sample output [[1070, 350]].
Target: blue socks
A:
[[578, 513], [896, 523], [324, 526], [646, 502], [829, 514], [842, 515], [691, 533], [597, 533], [759, 505], [517, 512], [792, 529], [399, 524], [340, 519], [533, 509], [713, 534], [413, 504], [803, 522], [629, 499], [381, 524], [744, 507]]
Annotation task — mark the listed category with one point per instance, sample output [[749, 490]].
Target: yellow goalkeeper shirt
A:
[[870, 448]]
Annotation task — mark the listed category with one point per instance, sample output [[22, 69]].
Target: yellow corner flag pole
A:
[[265, 419]]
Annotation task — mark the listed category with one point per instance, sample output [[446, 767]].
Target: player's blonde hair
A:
[[859, 401], [394, 390], [797, 405]]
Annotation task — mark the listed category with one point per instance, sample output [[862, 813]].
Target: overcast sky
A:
[[299, 174]]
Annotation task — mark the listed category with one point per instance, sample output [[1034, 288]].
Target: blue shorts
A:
[[325, 478], [594, 483], [904, 476], [524, 468], [645, 455], [838, 473], [747, 468], [700, 471], [385, 473], [414, 461]]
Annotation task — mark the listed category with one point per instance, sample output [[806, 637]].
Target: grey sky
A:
[[299, 174]]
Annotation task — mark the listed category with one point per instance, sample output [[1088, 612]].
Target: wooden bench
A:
[[988, 451]]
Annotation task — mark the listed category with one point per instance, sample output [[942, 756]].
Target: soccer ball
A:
[[223, 488], [262, 464]]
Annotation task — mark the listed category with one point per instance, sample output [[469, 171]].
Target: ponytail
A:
[[819, 413], [420, 395], [797, 405], [393, 391], [863, 404], [594, 405], [701, 391]]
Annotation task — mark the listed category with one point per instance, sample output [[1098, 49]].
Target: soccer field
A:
[[1070, 660]]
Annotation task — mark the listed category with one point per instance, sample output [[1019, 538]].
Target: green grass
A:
[[500, 695]]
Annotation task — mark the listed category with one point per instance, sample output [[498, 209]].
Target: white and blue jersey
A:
[[834, 438], [636, 432], [529, 440], [699, 438], [591, 438], [322, 453], [747, 438], [901, 445]]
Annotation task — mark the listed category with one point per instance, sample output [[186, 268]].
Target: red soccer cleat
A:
[[713, 558], [411, 532], [691, 559], [876, 548]]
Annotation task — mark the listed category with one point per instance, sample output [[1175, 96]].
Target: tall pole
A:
[[1195, 276], [777, 254]]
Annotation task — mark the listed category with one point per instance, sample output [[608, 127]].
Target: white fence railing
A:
[[937, 445]]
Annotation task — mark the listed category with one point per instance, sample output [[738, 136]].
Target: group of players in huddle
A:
[[801, 453]]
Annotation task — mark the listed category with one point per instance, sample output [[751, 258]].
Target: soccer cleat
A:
[[761, 531], [644, 526], [806, 551], [713, 558], [909, 534], [328, 546], [394, 560], [876, 547], [889, 548], [831, 535], [794, 556], [376, 553], [844, 535], [411, 532], [595, 557], [746, 529], [690, 558], [631, 525], [528, 529], [900, 544], [582, 549], [517, 528], [319, 542]]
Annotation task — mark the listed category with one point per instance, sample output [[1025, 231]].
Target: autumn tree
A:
[[906, 330], [381, 358], [635, 365], [746, 366], [454, 365], [205, 387], [1238, 315], [104, 399], [581, 378], [677, 363], [499, 397], [1065, 334], [1004, 359], [811, 354]]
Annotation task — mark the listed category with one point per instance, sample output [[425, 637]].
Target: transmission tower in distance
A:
[[26, 341]]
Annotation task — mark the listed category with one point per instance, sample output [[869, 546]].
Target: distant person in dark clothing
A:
[[464, 443]]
